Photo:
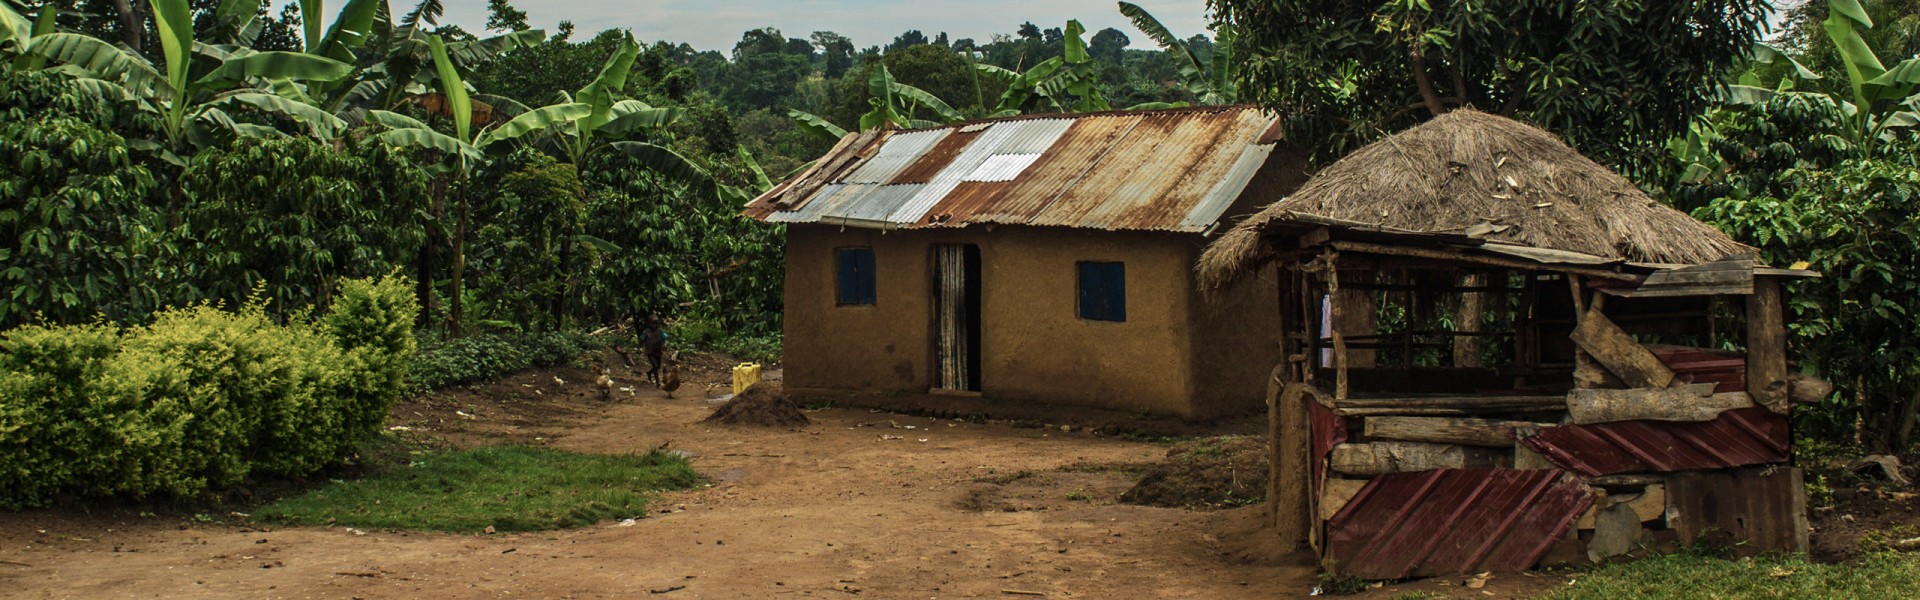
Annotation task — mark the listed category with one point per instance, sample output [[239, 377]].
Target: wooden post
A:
[[1339, 342], [1587, 373], [1356, 310], [1289, 479], [1767, 345], [1466, 348]]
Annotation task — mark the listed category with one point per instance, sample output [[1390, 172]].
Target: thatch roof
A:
[[1468, 172]]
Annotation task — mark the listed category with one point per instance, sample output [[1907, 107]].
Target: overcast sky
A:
[[717, 24]]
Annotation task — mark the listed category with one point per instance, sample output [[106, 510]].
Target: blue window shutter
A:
[[854, 276], [1103, 291]]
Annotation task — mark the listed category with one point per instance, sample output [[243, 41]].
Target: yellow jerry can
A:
[[744, 376]]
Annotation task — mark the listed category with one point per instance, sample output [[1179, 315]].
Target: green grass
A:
[[510, 488], [1691, 576]]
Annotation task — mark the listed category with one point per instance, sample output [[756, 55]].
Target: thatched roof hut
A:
[[1483, 176]]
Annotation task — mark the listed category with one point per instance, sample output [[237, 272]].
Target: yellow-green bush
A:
[[199, 398]]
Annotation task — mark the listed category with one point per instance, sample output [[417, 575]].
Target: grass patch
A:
[[1880, 575], [510, 488]]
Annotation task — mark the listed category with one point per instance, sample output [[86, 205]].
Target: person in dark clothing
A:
[[653, 341]]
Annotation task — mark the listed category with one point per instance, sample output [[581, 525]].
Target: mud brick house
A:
[[1046, 258], [1498, 352]]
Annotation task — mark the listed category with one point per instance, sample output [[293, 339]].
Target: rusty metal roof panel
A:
[[899, 151], [1737, 438], [1452, 521], [1174, 170]]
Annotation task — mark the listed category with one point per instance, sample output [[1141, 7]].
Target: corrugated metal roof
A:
[[1450, 521], [1173, 170], [1737, 438]]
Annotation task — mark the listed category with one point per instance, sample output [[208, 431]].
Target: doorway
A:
[[956, 317]]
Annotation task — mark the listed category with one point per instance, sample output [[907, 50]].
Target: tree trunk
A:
[[1904, 436], [430, 252], [1428, 94], [1466, 349], [133, 21], [459, 258]]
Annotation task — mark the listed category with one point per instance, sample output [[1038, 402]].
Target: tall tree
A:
[[836, 53], [502, 16], [1616, 78]]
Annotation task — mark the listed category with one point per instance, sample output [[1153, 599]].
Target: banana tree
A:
[[1065, 83], [1878, 92], [894, 104], [591, 122], [1209, 83], [392, 60], [193, 101]]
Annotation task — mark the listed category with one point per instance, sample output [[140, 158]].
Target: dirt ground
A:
[[860, 503]]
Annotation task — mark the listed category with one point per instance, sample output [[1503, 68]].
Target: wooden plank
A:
[[1452, 401], [1415, 411], [1336, 493], [1758, 510], [1691, 402], [1289, 483], [1339, 343], [1462, 257], [1380, 458], [1491, 433], [1767, 346], [1619, 353]]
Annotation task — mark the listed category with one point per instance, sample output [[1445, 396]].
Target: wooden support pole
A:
[[1339, 343], [1289, 483], [1767, 345], [1626, 358]]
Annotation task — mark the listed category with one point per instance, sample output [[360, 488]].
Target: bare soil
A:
[[858, 504]]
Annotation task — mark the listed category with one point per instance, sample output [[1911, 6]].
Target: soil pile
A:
[[1215, 472], [762, 405]]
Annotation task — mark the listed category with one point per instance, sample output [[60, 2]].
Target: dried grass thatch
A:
[[1466, 168]]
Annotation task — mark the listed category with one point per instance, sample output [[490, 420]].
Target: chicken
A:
[[670, 380], [605, 382]]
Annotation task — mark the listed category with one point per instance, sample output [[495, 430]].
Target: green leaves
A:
[[453, 88], [174, 22], [278, 65], [818, 127], [600, 94], [323, 124], [100, 58], [537, 120]]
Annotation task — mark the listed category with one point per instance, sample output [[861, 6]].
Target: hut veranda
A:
[[1497, 352]]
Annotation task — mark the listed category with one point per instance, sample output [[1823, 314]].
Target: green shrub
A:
[[199, 398], [486, 357]]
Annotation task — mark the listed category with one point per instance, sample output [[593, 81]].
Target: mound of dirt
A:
[[762, 405], [1213, 472]]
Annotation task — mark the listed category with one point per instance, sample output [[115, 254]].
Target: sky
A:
[[717, 24]]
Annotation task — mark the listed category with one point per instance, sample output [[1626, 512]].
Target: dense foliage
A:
[[1615, 78], [199, 398], [448, 362]]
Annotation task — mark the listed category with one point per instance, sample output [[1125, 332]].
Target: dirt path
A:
[[949, 509]]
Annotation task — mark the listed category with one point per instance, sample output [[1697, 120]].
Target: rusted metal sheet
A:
[[1451, 521], [1757, 510], [1172, 170], [1737, 438], [1726, 370], [1329, 430]]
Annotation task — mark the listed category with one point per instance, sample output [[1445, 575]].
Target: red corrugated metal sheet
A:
[[1329, 430], [1726, 370], [1748, 436], [1452, 521], [1163, 170]]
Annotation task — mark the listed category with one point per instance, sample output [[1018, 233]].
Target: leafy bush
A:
[[1855, 223], [200, 398], [701, 331], [486, 357]]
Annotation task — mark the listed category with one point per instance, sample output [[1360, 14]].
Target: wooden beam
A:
[[1687, 402], [1491, 433], [1380, 458], [1616, 350], [1289, 483], [1339, 343], [1462, 257], [1415, 411], [1767, 345], [1452, 401]]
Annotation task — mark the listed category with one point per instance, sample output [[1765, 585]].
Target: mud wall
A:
[[1034, 345]]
